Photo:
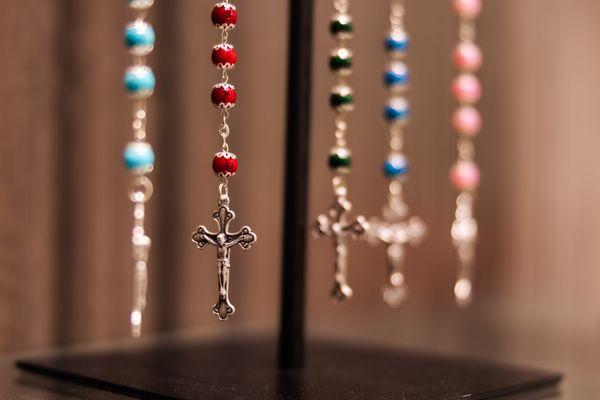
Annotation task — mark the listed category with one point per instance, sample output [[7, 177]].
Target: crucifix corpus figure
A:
[[223, 240]]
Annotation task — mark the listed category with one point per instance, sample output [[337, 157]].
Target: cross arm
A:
[[203, 237], [323, 226], [245, 238]]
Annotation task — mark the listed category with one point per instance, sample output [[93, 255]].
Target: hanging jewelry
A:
[[466, 121], [225, 164], [396, 229], [338, 224], [138, 155]]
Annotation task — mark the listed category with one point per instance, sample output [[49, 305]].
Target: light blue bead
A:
[[139, 80], [139, 35], [397, 109], [397, 42], [396, 75], [395, 166], [138, 156]]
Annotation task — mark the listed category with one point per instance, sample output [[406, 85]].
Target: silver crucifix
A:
[[396, 235], [464, 237], [223, 240], [395, 231], [338, 226]]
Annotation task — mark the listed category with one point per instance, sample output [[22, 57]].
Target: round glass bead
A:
[[224, 16], [395, 166], [342, 98], [225, 163], [139, 157], [467, 9], [223, 95], [140, 5], [465, 175], [139, 38], [341, 61], [467, 89], [396, 76], [341, 26], [467, 57], [467, 121], [340, 159], [397, 42], [397, 109], [139, 81], [224, 56]]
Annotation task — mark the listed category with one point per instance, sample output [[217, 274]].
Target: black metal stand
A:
[[291, 332]]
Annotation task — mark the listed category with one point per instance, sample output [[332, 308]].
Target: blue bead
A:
[[140, 80], [397, 109], [396, 75], [139, 156], [396, 165], [140, 36], [397, 42]]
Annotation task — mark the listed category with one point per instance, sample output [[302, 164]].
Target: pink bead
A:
[[465, 175], [467, 89], [468, 9], [467, 57], [466, 121]]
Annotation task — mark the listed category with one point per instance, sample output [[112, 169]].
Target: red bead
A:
[[223, 95], [225, 163], [224, 56], [224, 16]]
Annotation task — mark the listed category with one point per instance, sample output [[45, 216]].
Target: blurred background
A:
[[65, 269]]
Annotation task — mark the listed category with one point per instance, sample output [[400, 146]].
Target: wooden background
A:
[[64, 217]]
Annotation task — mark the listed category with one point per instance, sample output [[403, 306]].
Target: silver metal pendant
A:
[[340, 227], [224, 240], [395, 235]]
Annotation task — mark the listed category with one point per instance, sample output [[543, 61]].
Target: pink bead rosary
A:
[[466, 121]]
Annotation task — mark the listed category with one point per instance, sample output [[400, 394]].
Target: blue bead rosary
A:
[[138, 157]]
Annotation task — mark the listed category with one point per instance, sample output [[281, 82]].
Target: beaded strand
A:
[[337, 224], [224, 17], [138, 155], [466, 121], [342, 95], [223, 96], [397, 228]]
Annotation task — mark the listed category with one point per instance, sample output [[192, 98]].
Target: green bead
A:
[[337, 63], [340, 159], [341, 100], [341, 26]]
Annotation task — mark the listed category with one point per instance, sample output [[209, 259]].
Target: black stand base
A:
[[245, 371]]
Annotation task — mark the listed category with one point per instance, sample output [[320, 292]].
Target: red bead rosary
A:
[[225, 164]]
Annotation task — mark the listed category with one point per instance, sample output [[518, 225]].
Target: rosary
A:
[[396, 228], [225, 164]]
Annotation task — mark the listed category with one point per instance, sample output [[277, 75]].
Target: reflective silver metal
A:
[[464, 238], [224, 240], [338, 225], [395, 231]]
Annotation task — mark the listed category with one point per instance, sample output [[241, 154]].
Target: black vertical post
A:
[[299, 81]]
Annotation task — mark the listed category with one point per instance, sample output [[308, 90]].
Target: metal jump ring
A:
[[141, 189]]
